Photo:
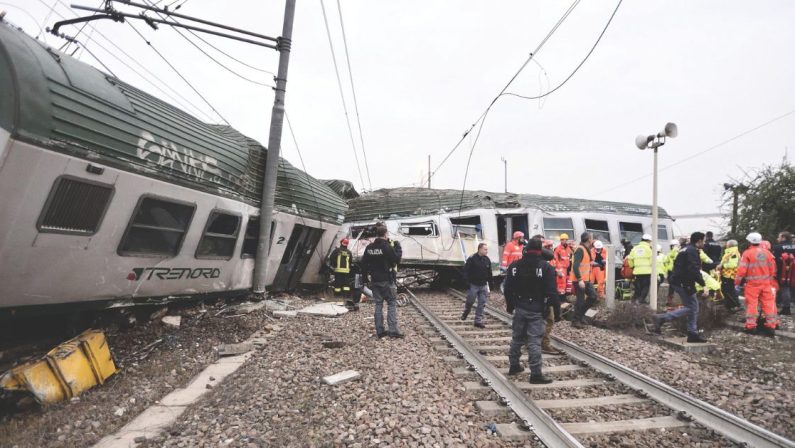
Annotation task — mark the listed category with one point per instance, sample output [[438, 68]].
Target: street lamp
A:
[[654, 142]]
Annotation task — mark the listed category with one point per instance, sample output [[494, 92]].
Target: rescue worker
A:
[[599, 267], [685, 276], [378, 266], [640, 262], [512, 251], [728, 271], [660, 265], [714, 252], [562, 262], [675, 245], [758, 269], [552, 310], [529, 284], [340, 264], [477, 272], [627, 245], [784, 253], [581, 277]]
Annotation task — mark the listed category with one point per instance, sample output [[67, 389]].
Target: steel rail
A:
[[543, 426], [712, 417]]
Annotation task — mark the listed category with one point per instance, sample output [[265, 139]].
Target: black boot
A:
[[785, 311], [514, 370], [769, 332], [695, 338], [658, 322], [480, 325], [539, 379], [466, 313]]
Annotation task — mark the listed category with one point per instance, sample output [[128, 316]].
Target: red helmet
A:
[[344, 242], [547, 244], [518, 235]]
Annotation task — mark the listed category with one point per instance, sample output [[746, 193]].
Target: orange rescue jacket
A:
[[757, 266]]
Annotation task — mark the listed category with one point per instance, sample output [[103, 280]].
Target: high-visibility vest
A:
[[511, 253], [730, 262], [585, 265], [342, 264], [756, 266], [640, 258]]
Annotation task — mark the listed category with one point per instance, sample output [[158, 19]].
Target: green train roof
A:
[[53, 100], [405, 202]]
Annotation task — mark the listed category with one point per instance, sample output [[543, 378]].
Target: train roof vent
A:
[[75, 207]]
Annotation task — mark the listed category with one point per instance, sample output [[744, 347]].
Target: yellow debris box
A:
[[66, 371]]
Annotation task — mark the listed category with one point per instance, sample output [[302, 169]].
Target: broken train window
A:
[[158, 228], [220, 236], [419, 229]]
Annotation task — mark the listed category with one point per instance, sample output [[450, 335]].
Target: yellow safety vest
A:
[[343, 262]]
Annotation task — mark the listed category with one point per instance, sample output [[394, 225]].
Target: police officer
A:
[[378, 264], [340, 264], [529, 284], [714, 252]]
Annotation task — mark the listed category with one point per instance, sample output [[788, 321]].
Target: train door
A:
[[506, 225], [299, 250]]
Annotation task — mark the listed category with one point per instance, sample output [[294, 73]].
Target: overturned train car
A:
[[108, 194], [439, 229]]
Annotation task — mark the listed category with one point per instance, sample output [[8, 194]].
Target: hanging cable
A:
[[342, 94], [149, 79], [355, 102], [576, 68], [178, 73], [98, 60]]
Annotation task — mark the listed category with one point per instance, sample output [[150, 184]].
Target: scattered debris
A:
[[145, 351], [235, 349], [342, 377], [591, 313], [285, 313], [119, 412], [65, 371], [333, 344], [324, 310], [172, 321], [159, 313]]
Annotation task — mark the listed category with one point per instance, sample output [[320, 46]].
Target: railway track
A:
[[592, 399]]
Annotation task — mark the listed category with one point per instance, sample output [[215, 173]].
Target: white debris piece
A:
[[119, 412], [172, 321], [591, 313], [285, 313], [324, 309], [342, 377]]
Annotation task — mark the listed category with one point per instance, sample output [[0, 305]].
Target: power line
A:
[[178, 73], [146, 79], [578, 66], [353, 89], [522, 67], [97, 59], [342, 94], [214, 47], [713, 147], [212, 58]]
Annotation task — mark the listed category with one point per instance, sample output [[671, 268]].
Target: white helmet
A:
[[659, 248], [598, 245], [754, 238], [646, 237], [674, 242]]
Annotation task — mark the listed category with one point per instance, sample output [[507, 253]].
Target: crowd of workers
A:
[[540, 276]]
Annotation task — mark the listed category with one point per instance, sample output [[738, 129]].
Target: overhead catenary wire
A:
[[353, 90], [212, 58], [700, 153], [342, 93], [598, 39], [179, 74], [152, 76]]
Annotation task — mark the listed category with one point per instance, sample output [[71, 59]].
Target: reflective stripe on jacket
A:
[[730, 262], [640, 258], [512, 252], [582, 265], [757, 266]]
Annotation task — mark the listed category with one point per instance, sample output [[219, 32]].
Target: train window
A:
[[553, 227], [251, 238], [363, 232], [631, 231], [158, 228], [75, 207], [467, 226], [419, 229], [662, 233], [600, 229], [220, 236]]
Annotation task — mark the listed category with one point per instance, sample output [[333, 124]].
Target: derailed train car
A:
[[439, 229], [108, 194]]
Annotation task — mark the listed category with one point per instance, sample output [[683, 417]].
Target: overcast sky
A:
[[424, 71]]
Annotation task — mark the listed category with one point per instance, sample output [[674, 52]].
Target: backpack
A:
[[626, 271]]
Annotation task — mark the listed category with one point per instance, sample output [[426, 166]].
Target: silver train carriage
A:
[[110, 194], [439, 229]]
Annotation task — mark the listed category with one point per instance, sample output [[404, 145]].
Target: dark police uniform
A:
[[379, 263], [530, 282]]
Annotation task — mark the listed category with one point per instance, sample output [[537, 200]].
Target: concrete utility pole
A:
[[505, 166], [274, 143], [429, 171], [654, 142]]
